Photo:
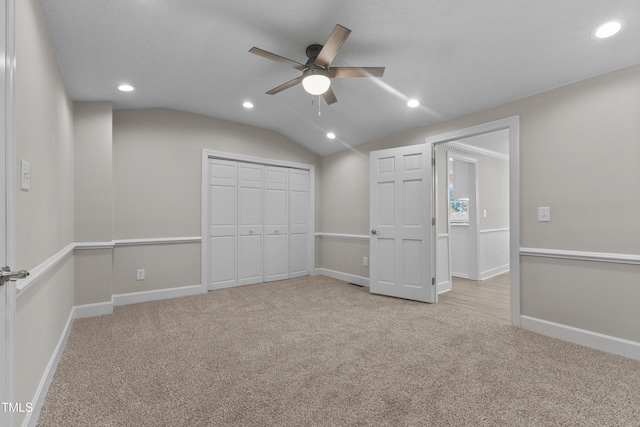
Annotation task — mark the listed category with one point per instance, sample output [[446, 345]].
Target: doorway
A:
[[454, 142]]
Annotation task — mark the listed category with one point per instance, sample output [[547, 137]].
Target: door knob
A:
[[251, 231], [374, 231], [7, 275]]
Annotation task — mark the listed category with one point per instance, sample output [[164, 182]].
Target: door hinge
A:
[[433, 221], [433, 281]]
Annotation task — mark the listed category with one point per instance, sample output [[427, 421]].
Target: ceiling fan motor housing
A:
[[312, 52]]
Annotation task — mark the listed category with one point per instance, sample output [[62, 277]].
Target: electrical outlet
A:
[[140, 274], [365, 261]]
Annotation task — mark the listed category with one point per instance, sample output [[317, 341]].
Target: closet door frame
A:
[[204, 203]]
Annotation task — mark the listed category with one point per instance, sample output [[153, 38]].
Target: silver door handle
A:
[[374, 231], [251, 231], [7, 275]]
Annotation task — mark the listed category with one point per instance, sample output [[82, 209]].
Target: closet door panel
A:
[[298, 222], [276, 221], [250, 223], [222, 221]]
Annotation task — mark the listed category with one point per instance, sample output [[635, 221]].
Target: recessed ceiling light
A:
[[247, 104], [413, 103], [125, 88], [331, 135], [608, 29]]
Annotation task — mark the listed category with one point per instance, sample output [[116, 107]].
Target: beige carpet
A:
[[317, 351]]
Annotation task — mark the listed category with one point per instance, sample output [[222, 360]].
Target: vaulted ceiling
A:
[[454, 56]]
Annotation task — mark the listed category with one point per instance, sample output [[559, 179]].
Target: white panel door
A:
[[276, 221], [298, 223], [7, 291], [401, 245], [250, 223], [222, 224]]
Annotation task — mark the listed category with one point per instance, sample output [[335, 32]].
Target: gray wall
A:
[[93, 136], [44, 214], [157, 178], [493, 193], [579, 155]]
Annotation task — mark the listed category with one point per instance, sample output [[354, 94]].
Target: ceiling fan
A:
[[317, 71]]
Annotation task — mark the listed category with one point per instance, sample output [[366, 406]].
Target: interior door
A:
[[298, 223], [250, 223], [276, 255], [8, 289], [401, 245], [222, 223]]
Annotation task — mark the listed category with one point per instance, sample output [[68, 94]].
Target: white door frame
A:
[[513, 124], [204, 198], [7, 207]]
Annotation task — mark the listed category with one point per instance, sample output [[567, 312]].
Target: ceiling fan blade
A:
[[277, 58], [331, 46], [329, 96], [284, 86], [338, 72]]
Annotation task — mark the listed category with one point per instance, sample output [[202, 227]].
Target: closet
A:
[[257, 223]]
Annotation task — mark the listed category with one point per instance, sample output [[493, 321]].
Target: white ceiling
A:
[[455, 56]]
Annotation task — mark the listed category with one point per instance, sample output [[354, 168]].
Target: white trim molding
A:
[[155, 295], [156, 241], [343, 236], [94, 245], [619, 346], [582, 255], [93, 310], [38, 400], [43, 268], [345, 277], [460, 147]]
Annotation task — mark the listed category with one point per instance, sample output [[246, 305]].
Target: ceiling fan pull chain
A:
[[319, 103]]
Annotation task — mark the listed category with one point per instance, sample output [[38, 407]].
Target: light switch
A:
[[544, 214], [25, 175]]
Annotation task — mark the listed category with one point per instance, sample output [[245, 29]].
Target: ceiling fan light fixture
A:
[[316, 81]]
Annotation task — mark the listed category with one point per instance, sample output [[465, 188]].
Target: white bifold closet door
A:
[[298, 223], [258, 223], [250, 223], [276, 222], [223, 184]]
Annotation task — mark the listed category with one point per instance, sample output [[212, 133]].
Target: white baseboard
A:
[[496, 271], [443, 287], [31, 419], [93, 310], [159, 294], [351, 278], [619, 346]]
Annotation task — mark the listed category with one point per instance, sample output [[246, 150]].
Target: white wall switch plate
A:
[[544, 214], [25, 175], [140, 274]]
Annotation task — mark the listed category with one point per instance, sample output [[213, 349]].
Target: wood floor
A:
[[488, 298]]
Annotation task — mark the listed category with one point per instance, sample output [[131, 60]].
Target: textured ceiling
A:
[[455, 56]]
